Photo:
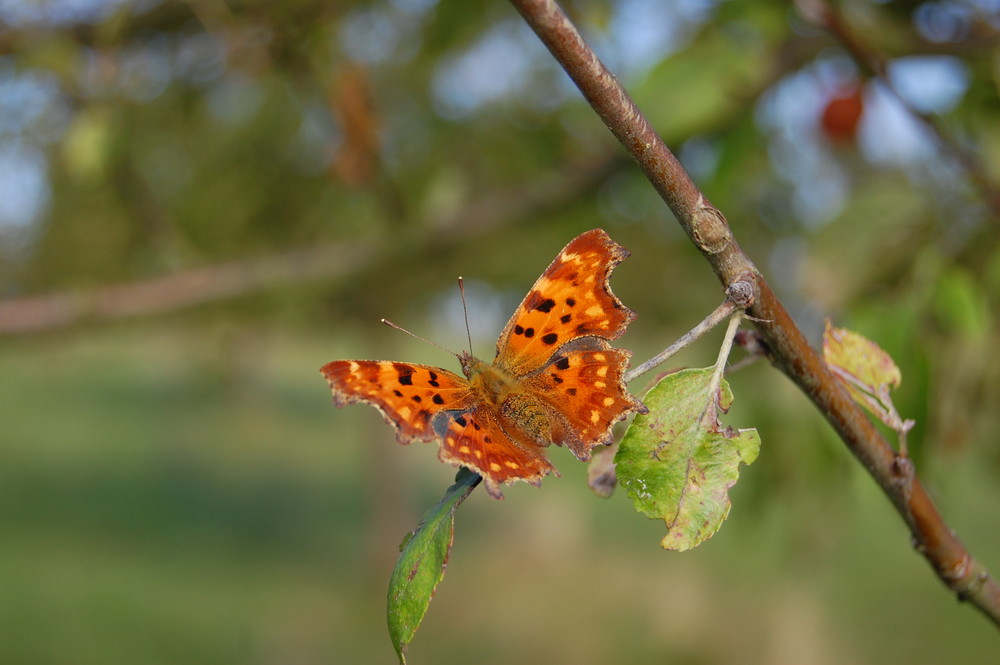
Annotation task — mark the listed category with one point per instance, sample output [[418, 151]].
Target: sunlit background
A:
[[203, 202]]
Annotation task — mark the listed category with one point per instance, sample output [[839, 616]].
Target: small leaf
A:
[[867, 371], [677, 463], [858, 356], [421, 565]]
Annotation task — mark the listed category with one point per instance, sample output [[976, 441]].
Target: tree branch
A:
[[790, 352]]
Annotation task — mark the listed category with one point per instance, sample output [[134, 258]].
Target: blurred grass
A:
[[193, 497]]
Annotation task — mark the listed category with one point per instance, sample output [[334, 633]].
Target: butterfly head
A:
[[471, 365]]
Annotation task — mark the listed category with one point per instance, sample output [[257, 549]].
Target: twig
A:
[[790, 352]]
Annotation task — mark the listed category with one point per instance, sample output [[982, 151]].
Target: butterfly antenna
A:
[[465, 310], [422, 339]]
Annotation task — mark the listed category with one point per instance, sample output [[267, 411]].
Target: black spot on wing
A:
[[562, 363], [532, 301], [546, 305], [437, 399], [404, 372], [550, 339]]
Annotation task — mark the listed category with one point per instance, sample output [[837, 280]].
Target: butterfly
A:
[[555, 378]]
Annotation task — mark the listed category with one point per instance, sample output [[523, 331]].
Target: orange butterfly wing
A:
[[571, 299], [584, 387], [476, 440], [428, 403], [408, 396], [557, 344]]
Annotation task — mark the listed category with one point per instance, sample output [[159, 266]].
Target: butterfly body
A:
[[493, 384], [555, 379]]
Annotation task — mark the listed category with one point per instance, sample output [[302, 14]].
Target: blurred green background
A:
[[203, 202]]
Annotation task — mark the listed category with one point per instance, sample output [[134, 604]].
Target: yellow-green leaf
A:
[[867, 371]]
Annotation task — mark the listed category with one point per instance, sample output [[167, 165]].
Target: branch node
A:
[[957, 572], [902, 468], [742, 292], [903, 473], [710, 230]]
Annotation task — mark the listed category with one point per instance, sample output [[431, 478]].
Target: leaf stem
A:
[[715, 318], [720, 369]]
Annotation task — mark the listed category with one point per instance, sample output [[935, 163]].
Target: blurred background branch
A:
[[176, 291], [343, 263]]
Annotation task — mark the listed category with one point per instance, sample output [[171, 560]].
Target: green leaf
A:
[[421, 565], [677, 462]]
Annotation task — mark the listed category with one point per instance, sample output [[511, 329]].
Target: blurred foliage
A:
[[176, 487]]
